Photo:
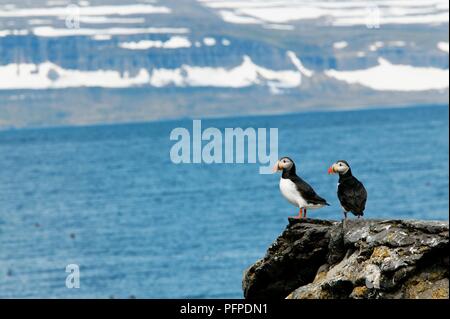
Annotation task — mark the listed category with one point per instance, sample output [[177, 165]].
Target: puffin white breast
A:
[[290, 192]]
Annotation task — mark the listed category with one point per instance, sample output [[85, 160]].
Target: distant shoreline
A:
[[225, 117]]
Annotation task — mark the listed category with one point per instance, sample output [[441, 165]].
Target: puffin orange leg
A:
[[304, 215], [300, 213]]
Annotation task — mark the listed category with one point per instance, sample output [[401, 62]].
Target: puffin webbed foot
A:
[[300, 214]]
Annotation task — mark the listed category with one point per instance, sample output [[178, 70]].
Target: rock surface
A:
[[356, 258]]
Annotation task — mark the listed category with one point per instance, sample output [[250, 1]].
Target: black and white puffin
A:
[[296, 190], [350, 191]]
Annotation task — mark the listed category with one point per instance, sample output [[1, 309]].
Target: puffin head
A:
[[283, 164], [341, 167]]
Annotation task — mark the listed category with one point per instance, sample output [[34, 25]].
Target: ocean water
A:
[[109, 199]]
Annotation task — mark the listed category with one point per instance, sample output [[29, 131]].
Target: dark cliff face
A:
[[353, 259]]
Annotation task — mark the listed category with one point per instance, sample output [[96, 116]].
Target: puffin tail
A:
[[323, 201]]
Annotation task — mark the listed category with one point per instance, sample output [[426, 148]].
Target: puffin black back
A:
[[350, 191]]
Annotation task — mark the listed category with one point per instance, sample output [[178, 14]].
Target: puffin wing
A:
[[307, 192], [352, 195]]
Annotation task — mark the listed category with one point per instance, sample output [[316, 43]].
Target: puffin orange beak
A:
[[276, 167], [331, 170]]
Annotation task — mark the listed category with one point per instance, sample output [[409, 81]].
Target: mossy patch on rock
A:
[[380, 252], [359, 292]]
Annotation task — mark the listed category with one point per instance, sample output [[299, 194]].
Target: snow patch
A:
[[443, 46], [395, 77], [85, 11], [209, 41], [54, 32], [335, 13], [375, 46], [175, 42], [51, 76], [299, 65], [231, 17], [5, 33], [101, 37], [244, 75], [340, 45]]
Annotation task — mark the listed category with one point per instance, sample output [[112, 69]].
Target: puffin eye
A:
[[340, 164]]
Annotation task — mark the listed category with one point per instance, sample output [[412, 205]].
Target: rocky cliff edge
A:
[[355, 258]]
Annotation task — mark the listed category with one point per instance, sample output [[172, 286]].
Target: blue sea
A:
[[109, 199]]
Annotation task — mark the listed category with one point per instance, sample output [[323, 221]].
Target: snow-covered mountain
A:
[[72, 63]]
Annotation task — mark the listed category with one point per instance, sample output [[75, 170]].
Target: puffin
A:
[[298, 192], [350, 190]]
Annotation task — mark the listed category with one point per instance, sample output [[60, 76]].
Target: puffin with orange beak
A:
[[350, 191], [296, 190]]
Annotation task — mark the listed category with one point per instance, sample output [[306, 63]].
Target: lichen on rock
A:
[[359, 259]]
